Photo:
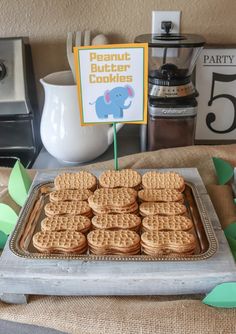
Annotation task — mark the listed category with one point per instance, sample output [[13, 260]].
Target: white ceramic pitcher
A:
[[61, 132]]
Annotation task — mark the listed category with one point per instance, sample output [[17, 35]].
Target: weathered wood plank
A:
[[13, 298], [72, 277], [104, 278]]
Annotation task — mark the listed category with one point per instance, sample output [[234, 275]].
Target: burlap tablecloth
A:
[[120, 315]]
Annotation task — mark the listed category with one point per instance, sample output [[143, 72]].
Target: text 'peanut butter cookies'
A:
[[120, 242], [158, 243], [68, 208], [157, 180], [64, 223], [126, 178], [166, 223], [70, 195], [116, 221], [80, 180], [160, 195], [162, 208], [60, 242]]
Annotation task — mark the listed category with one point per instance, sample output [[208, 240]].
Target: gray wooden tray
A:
[[21, 276]]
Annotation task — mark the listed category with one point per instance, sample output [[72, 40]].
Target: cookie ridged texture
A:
[[169, 241], [114, 191], [127, 178], [165, 223], [67, 208], [158, 180], [160, 195], [162, 208], [113, 242], [112, 197], [70, 195], [66, 241], [109, 209], [116, 221], [64, 223], [80, 180]]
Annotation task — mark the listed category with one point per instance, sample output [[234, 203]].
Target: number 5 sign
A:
[[216, 85]]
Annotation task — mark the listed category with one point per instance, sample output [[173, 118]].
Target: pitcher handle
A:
[[111, 132]]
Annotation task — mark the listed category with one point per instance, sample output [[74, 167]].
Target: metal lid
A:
[[171, 40], [156, 91]]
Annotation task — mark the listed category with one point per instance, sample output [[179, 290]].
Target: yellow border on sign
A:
[[144, 46]]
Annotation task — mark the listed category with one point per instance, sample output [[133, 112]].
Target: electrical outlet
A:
[[159, 16]]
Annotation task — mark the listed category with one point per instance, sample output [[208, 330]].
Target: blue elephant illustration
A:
[[113, 102]]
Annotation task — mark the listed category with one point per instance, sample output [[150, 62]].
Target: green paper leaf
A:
[[3, 239], [223, 295], [19, 184], [8, 219], [230, 230], [231, 243], [230, 233], [224, 170]]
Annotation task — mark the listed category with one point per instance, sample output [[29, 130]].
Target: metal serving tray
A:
[[33, 213]]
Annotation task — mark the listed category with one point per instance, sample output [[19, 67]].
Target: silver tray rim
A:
[[17, 233]]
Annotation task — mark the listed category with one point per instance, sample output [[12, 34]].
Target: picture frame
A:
[[215, 81]]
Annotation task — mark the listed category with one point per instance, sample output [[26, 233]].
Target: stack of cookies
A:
[[168, 242], [66, 223], [122, 214], [68, 215], [115, 206], [118, 200], [122, 221], [162, 194], [60, 242], [81, 180], [159, 180], [126, 178], [71, 195], [119, 242], [166, 225]]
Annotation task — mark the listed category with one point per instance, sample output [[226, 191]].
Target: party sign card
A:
[[112, 83]]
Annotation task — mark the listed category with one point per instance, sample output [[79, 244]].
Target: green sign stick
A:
[[115, 147]]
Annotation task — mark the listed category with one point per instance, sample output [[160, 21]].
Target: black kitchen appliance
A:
[[19, 114], [172, 105]]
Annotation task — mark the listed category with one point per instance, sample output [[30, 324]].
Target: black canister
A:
[[171, 126]]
